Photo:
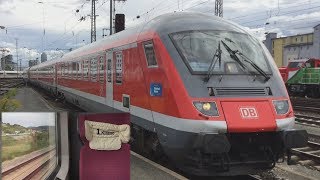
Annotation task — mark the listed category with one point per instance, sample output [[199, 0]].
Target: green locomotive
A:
[[306, 81]]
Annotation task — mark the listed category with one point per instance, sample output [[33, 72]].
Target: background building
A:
[[7, 63], [44, 57], [298, 46], [33, 62]]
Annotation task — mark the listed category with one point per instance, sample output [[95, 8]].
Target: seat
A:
[[102, 164]]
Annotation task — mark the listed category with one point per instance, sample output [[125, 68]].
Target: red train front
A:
[[198, 87]]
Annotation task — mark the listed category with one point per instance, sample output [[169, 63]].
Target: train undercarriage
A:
[[304, 90], [220, 154]]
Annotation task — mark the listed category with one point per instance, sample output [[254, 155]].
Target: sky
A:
[[29, 119], [46, 26]]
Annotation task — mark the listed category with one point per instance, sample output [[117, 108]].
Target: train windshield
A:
[[199, 49]]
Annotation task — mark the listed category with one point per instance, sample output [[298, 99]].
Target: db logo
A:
[[248, 112]]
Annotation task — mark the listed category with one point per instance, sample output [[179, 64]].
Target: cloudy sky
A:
[[29, 119], [51, 24]]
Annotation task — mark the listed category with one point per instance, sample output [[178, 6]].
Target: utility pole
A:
[[20, 64], [17, 54], [218, 11], [111, 17], [93, 21]]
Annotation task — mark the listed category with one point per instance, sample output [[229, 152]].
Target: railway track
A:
[[310, 155], [31, 167], [306, 104], [7, 84], [308, 120]]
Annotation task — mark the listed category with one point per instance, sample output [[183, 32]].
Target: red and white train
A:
[[10, 74], [292, 68], [198, 87]]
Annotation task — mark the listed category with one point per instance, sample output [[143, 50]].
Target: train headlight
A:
[[207, 108], [281, 106]]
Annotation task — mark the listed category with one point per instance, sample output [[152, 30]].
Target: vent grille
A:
[[242, 91]]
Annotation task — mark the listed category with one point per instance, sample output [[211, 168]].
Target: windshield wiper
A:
[[233, 54], [254, 65], [216, 56]]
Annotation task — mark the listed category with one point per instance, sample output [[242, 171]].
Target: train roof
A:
[[163, 25]]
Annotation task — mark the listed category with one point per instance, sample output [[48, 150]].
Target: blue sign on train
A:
[[155, 89]]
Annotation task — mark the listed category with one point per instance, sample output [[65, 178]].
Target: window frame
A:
[[115, 69], [145, 54], [101, 59], [85, 74], [93, 75]]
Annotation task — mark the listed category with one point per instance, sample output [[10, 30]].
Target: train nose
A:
[[249, 116]]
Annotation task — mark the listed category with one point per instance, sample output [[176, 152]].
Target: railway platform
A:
[[31, 101], [145, 169]]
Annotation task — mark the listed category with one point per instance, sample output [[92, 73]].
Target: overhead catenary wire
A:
[[263, 12], [289, 12], [163, 7]]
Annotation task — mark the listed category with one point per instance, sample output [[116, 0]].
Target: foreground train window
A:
[[29, 148]]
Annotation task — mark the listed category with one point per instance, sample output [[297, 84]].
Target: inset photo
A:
[[29, 149]]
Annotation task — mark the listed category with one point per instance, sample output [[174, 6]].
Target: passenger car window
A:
[[101, 69], [79, 69], [150, 55], [119, 67], [93, 69], [109, 72], [85, 69]]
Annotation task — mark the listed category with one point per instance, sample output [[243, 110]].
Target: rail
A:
[[30, 167], [7, 84], [308, 120], [311, 152], [306, 104]]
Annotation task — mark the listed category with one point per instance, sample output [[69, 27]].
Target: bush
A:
[[7, 103], [40, 140]]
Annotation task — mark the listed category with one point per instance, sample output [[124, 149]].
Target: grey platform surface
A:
[[31, 101], [144, 169]]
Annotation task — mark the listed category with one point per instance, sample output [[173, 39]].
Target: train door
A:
[[109, 75]]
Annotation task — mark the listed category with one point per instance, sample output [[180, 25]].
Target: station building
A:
[[299, 46]]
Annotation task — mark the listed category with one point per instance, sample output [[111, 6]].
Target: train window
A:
[[119, 67], [79, 70], [63, 70], [198, 48], [75, 68], [150, 55], [29, 145], [93, 69], [52, 71], [101, 69], [109, 75], [70, 70], [85, 69]]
